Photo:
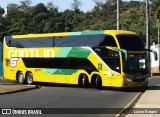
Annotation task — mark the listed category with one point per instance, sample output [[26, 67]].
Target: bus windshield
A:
[[136, 64], [131, 42]]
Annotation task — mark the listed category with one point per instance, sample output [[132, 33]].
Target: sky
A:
[[61, 4]]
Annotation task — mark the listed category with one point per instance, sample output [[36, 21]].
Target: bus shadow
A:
[[89, 87], [153, 88], [55, 85], [137, 89]]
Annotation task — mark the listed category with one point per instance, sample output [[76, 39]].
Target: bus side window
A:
[[53, 42], [108, 41], [60, 63], [114, 61], [9, 42], [47, 63], [72, 63]]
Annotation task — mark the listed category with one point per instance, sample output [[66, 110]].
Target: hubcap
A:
[[29, 79], [21, 78], [83, 81]]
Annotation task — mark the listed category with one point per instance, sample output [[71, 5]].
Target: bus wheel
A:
[[98, 82], [29, 78], [20, 78], [83, 81]]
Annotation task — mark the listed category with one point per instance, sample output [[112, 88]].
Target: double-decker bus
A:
[[113, 58]]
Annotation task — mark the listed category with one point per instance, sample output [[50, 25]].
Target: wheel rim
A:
[[21, 78], [96, 82], [83, 81], [29, 79]]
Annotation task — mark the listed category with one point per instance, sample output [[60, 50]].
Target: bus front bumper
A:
[[135, 84]]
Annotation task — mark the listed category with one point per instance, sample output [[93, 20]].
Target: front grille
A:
[[138, 79]]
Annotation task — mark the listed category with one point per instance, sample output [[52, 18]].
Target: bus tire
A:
[[29, 78], [20, 78], [98, 82], [83, 81]]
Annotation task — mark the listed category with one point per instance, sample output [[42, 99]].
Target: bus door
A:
[[109, 57], [113, 61]]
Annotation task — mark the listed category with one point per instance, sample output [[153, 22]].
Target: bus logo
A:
[[31, 53], [100, 66]]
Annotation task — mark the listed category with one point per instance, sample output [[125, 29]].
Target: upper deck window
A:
[[131, 42], [63, 41]]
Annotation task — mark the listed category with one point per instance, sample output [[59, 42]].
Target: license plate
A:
[[138, 77], [138, 84]]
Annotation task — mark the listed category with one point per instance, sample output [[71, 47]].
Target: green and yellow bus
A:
[[113, 58]]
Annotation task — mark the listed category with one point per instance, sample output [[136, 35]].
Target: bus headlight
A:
[[128, 79], [136, 79]]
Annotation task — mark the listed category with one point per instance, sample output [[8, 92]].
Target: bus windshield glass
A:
[[136, 64], [131, 42]]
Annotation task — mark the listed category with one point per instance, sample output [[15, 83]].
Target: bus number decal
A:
[[13, 62]]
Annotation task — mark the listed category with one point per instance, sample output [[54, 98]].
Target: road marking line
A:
[[129, 105]]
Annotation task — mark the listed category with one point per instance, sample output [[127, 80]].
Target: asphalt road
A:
[[70, 97]]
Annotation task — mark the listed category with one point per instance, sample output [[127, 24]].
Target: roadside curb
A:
[[30, 87], [129, 105]]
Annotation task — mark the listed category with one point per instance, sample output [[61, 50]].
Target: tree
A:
[[26, 19], [156, 8], [133, 17], [99, 3], [25, 4], [76, 5], [40, 8], [2, 11], [50, 5], [3, 27], [155, 5]]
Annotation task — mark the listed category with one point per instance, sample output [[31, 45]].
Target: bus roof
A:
[[119, 32], [111, 32]]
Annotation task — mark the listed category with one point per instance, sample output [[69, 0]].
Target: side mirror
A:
[[123, 51], [154, 53]]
